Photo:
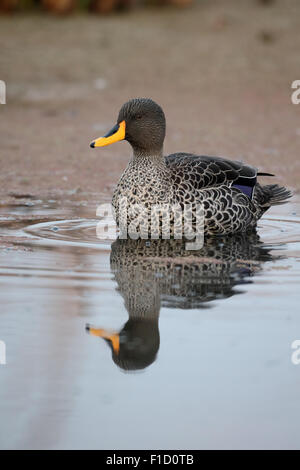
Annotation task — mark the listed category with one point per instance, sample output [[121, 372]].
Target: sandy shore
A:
[[221, 70]]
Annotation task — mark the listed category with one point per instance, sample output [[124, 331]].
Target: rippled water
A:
[[123, 344]]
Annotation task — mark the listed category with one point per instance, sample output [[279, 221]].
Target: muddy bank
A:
[[221, 70]]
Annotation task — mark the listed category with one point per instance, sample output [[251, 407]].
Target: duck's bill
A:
[[105, 334], [116, 134]]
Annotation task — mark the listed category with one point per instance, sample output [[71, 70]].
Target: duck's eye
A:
[[138, 116]]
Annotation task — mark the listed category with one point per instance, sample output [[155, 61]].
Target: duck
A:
[[228, 191]]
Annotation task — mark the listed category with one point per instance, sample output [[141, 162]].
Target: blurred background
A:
[[221, 69]]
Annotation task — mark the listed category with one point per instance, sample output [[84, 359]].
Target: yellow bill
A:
[[112, 337], [116, 134]]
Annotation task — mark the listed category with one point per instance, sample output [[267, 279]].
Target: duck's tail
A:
[[273, 195]]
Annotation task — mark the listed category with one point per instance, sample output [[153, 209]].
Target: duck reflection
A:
[[156, 273]]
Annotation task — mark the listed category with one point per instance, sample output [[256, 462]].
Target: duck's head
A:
[[135, 346], [142, 123]]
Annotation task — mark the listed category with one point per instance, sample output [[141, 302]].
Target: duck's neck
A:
[[144, 158]]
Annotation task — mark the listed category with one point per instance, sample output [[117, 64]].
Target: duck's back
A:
[[232, 199], [203, 172]]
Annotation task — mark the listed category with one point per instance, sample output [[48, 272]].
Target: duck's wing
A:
[[203, 172]]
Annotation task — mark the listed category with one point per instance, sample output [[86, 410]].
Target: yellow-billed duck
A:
[[228, 191]]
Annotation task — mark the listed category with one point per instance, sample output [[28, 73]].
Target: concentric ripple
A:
[[280, 226], [91, 232], [95, 232]]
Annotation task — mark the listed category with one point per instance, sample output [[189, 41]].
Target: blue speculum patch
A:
[[248, 190]]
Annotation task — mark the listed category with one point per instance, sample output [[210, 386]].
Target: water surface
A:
[[183, 349]]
